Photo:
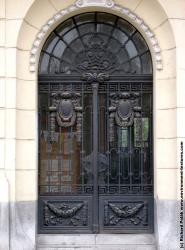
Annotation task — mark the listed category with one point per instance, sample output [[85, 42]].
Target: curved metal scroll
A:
[[66, 110], [124, 107]]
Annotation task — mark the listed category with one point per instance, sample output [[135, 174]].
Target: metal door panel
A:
[[72, 214], [126, 214]]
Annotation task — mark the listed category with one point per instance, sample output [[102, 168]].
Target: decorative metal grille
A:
[[95, 42], [95, 123]]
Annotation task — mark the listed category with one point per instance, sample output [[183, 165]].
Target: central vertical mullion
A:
[[95, 158]]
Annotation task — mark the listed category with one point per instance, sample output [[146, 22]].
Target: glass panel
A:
[[113, 45], [54, 65], [103, 28], [123, 137], [87, 124], [102, 124], [69, 57], [59, 49], [65, 68], [123, 56], [131, 49], [65, 162], [70, 36], [124, 68], [86, 29], [125, 27], [106, 18], [139, 43], [44, 63], [141, 132], [146, 63], [114, 165], [50, 43], [65, 27], [118, 36], [136, 65], [129, 154], [77, 45], [136, 166], [70, 160], [85, 18]]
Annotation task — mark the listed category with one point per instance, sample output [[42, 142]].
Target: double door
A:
[[95, 156]]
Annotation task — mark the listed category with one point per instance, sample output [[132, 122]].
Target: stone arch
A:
[[119, 10], [33, 23], [35, 20]]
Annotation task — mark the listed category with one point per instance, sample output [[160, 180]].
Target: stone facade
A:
[[24, 27]]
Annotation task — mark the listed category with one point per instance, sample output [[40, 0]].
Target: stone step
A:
[[115, 247], [96, 242]]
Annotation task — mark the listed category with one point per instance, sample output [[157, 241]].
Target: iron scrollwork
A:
[[96, 57], [95, 77], [65, 214], [124, 107], [125, 213], [66, 110]]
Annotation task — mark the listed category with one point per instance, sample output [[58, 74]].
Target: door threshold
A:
[[96, 241]]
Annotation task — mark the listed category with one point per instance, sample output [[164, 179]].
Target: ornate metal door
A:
[[95, 123]]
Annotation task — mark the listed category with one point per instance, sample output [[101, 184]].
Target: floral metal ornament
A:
[[96, 57], [124, 107], [95, 78], [66, 110]]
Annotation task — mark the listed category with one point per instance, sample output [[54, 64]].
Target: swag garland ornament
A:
[[64, 213], [125, 213]]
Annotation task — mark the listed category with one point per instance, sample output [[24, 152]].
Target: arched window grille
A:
[[95, 42]]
